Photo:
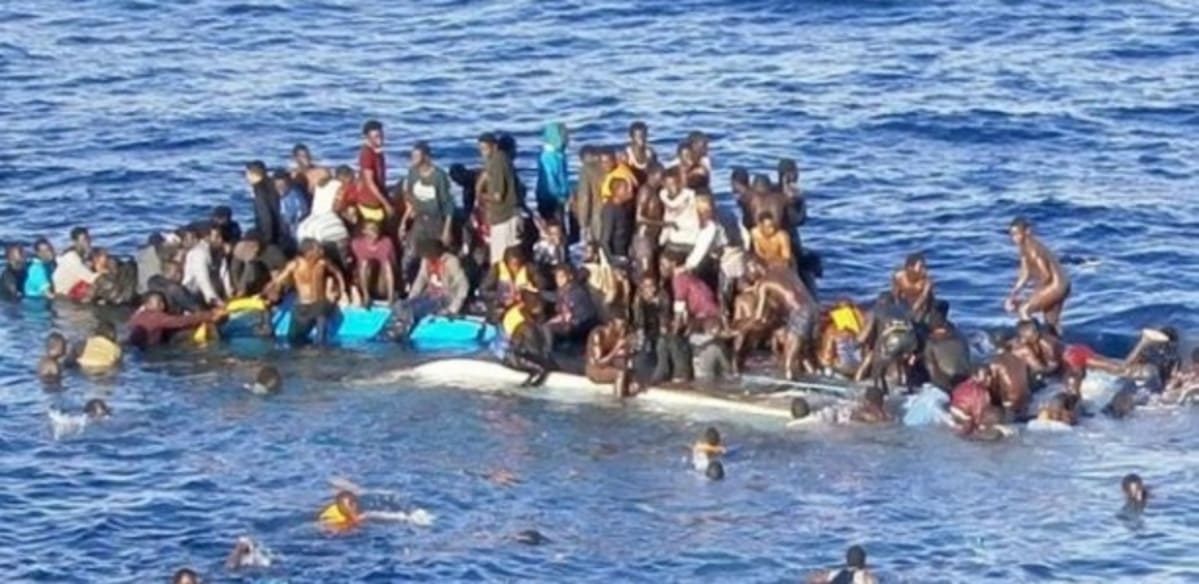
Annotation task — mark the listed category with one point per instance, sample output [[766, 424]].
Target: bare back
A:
[[1043, 266]]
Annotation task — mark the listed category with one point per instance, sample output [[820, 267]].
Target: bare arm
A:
[[281, 279], [1021, 277]]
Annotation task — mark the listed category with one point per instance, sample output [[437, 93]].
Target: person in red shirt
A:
[[152, 325], [693, 298], [375, 256], [372, 174], [971, 398]]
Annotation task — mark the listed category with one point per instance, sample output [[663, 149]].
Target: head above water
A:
[[855, 558], [106, 330], [1019, 229], [269, 379], [97, 409], [711, 437], [915, 264], [81, 239], [310, 249], [1028, 331], [638, 133], [715, 471], [739, 178], [347, 503], [421, 153], [514, 258], [14, 253], [56, 345], [185, 576], [800, 408], [1134, 488]]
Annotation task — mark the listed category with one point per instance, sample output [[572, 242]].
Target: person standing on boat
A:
[[617, 192], [293, 207], [306, 173], [371, 192], [1041, 267], [496, 188], [313, 308], [912, 287], [12, 281], [640, 155], [588, 205], [786, 290], [553, 176], [267, 219], [788, 182], [429, 208]]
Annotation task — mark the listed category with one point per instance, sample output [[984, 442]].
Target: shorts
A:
[[306, 317], [503, 236], [800, 323], [381, 251]]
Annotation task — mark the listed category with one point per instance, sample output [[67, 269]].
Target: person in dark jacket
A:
[[267, 219], [169, 284], [12, 281]]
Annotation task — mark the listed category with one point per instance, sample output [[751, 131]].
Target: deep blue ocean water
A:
[[918, 126]]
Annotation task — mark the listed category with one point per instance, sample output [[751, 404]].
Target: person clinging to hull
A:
[[1041, 268]]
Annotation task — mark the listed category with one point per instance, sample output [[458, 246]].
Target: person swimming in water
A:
[[56, 358], [971, 398], [854, 571], [246, 553], [707, 449], [1041, 267], [990, 426], [185, 576], [267, 381], [97, 409], [100, 353], [715, 471], [343, 514], [1136, 496]]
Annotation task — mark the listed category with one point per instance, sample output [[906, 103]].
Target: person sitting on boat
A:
[[771, 244], [550, 250], [253, 264], [946, 353], [116, 280], [441, 285], [313, 307], [73, 273], [891, 334], [659, 341], [152, 325], [528, 347], [343, 514], [788, 292], [39, 274], [608, 284], [508, 279], [694, 300], [971, 397], [841, 352], [1013, 383], [100, 353], [575, 313], [872, 409], [375, 258], [12, 281], [912, 287], [609, 348], [854, 572]]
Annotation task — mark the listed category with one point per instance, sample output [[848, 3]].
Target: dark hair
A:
[[513, 252], [185, 575], [715, 471], [565, 269], [740, 175], [39, 242], [371, 126], [1020, 223], [488, 138], [765, 215], [761, 181], [586, 150], [800, 408], [459, 174], [1131, 479], [222, 212], [684, 145], [308, 245], [96, 407], [787, 166], [980, 369], [423, 147], [343, 171], [913, 259], [281, 174], [269, 378], [256, 167], [638, 126], [696, 136], [855, 558], [430, 248], [105, 329], [55, 337], [298, 148], [155, 239], [77, 232], [712, 436], [154, 294]]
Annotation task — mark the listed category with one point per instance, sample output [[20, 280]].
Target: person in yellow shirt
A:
[[100, 352], [771, 244], [615, 169], [840, 351], [343, 514]]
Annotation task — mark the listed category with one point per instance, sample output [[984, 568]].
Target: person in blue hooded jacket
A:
[[553, 180]]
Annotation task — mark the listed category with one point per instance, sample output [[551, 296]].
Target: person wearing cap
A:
[[496, 188], [1040, 267]]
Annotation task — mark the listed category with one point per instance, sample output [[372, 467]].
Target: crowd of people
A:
[[628, 258]]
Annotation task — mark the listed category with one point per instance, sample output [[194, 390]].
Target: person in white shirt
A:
[[679, 213], [323, 223], [73, 275], [203, 274]]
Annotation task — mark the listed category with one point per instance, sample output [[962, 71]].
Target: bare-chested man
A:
[[1040, 352], [313, 307], [785, 288], [307, 173], [1039, 266], [913, 287], [765, 199], [609, 348], [1013, 384]]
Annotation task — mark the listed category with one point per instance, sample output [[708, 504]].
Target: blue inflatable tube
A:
[[445, 333], [349, 324]]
